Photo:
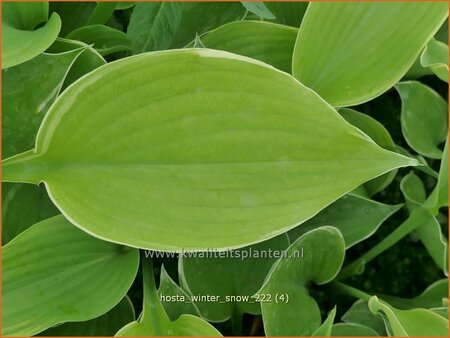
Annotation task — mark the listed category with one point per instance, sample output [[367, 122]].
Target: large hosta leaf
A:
[[352, 52], [264, 41], [52, 273], [154, 321], [20, 40], [150, 153], [297, 313]]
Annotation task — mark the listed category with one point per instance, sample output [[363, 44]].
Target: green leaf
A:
[[357, 218], [359, 313], [89, 59], [50, 269], [423, 118], [28, 91], [350, 53], [430, 232], [101, 13], [377, 132], [233, 278], [325, 329], [432, 297], [105, 40], [324, 252], [125, 4], [287, 12], [105, 325], [154, 320], [153, 25], [73, 14], [439, 196], [22, 206], [169, 290], [414, 322], [352, 329], [20, 40], [259, 9], [435, 56], [202, 16], [264, 41], [227, 151], [198, 42]]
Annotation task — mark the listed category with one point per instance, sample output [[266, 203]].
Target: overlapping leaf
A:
[[106, 325], [228, 162], [154, 321], [264, 41], [21, 40], [104, 39], [299, 315], [350, 53], [423, 118], [52, 273], [287, 12], [240, 276], [357, 218], [435, 57]]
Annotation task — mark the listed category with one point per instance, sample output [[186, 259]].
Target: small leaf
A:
[[153, 25], [168, 289], [101, 13], [264, 41], [435, 56], [88, 60], [377, 132], [50, 270], [359, 313], [22, 206], [198, 42], [154, 320], [20, 40], [227, 152], [357, 218], [234, 278], [352, 329], [104, 39], [430, 232], [324, 252], [106, 325], [287, 12], [423, 118], [259, 9], [325, 329], [350, 53], [439, 196], [432, 297], [202, 16], [414, 322], [27, 96]]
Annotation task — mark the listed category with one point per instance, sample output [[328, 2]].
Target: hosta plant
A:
[[224, 168]]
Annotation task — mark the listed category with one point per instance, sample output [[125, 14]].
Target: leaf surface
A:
[[423, 118], [264, 41], [153, 25], [228, 161], [352, 329], [357, 218], [106, 325], [324, 252], [51, 270], [20, 40], [259, 9], [287, 12], [350, 53], [168, 288], [240, 275], [435, 57], [414, 322], [105, 40], [154, 320]]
